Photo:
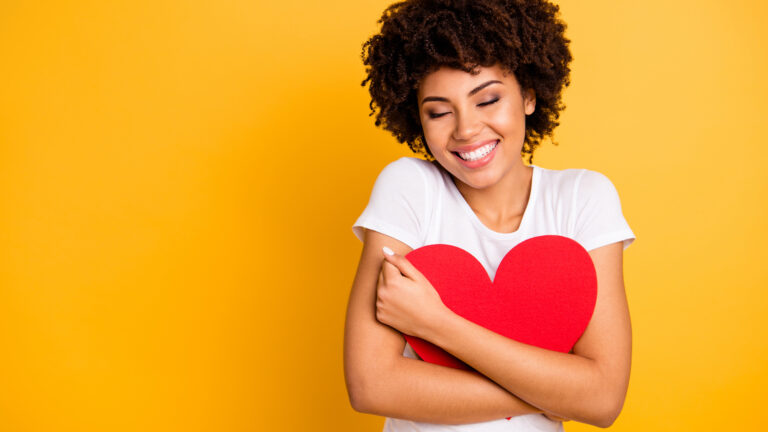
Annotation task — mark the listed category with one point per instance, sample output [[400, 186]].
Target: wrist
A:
[[439, 325]]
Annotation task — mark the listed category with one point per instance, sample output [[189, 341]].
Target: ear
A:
[[529, 101]]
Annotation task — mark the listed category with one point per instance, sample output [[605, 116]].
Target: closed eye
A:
[[437, 115], [492, 101]]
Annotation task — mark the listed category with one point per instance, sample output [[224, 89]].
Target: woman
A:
[[473, 85]]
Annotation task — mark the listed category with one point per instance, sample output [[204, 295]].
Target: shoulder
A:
[[596, 187], [578, 182], [409, 173], [588, 204], [559, 179], [410, 167], [400, 202], [591, 181]]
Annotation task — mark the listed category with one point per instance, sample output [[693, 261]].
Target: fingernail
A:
[[387, 251]]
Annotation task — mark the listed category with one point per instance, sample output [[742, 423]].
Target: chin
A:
[[478, 182]]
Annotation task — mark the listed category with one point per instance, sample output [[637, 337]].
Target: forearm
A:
[[567, 385], [588, 385], [419, 391]]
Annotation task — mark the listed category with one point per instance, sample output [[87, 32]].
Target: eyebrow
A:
[[472, 92]]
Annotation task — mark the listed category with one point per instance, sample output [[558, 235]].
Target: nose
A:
[[467, 125]]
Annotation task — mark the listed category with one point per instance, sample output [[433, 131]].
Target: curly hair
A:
[[417, 37]]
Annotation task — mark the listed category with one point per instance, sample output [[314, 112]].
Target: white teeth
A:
[[478, 153]]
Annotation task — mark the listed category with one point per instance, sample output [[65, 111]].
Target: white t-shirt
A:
[[416, 202]]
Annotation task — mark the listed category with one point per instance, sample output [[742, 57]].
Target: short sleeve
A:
[[599, 219], [398, 203]]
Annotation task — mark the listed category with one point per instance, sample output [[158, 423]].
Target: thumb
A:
[[402, 264]]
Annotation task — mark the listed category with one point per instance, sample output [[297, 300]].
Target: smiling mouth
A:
[[478, 153]]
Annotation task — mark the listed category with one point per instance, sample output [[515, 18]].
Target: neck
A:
[[503, 204]]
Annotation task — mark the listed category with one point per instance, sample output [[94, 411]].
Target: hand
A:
[[405, 300]]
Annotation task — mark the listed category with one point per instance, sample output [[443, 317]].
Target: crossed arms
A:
[[588, 385]]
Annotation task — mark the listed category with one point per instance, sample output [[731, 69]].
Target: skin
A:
[[390, 296], [497, 192]]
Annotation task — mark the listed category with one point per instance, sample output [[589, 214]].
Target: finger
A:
[[403, 265], [389, 271]]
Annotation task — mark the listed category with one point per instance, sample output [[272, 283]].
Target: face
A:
[[474, 125]]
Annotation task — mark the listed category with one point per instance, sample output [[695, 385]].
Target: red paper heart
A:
[[543, 294]]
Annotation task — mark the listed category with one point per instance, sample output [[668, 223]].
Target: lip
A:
[[471, 147], [480, 162]]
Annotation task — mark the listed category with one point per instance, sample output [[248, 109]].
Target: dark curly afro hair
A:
[[419, 36]]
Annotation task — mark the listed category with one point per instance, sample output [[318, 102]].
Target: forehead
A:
[[447, 80]]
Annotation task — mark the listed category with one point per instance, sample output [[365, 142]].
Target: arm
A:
[[381, 381], [588, 385]]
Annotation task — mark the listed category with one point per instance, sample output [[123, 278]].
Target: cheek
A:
[[434, 147], [509, 120], [437, 132]]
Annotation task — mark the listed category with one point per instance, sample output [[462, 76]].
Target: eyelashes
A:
[[492, 101], [482, 104]]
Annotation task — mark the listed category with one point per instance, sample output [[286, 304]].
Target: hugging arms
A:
[[588, 385]]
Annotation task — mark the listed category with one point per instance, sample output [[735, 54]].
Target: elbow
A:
[[360, 393], [603, 422], [607, 413], [603, 404], [357, 403], [368, 383], [358, 399]]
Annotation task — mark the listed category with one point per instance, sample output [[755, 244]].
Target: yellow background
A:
[[178, 180]]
